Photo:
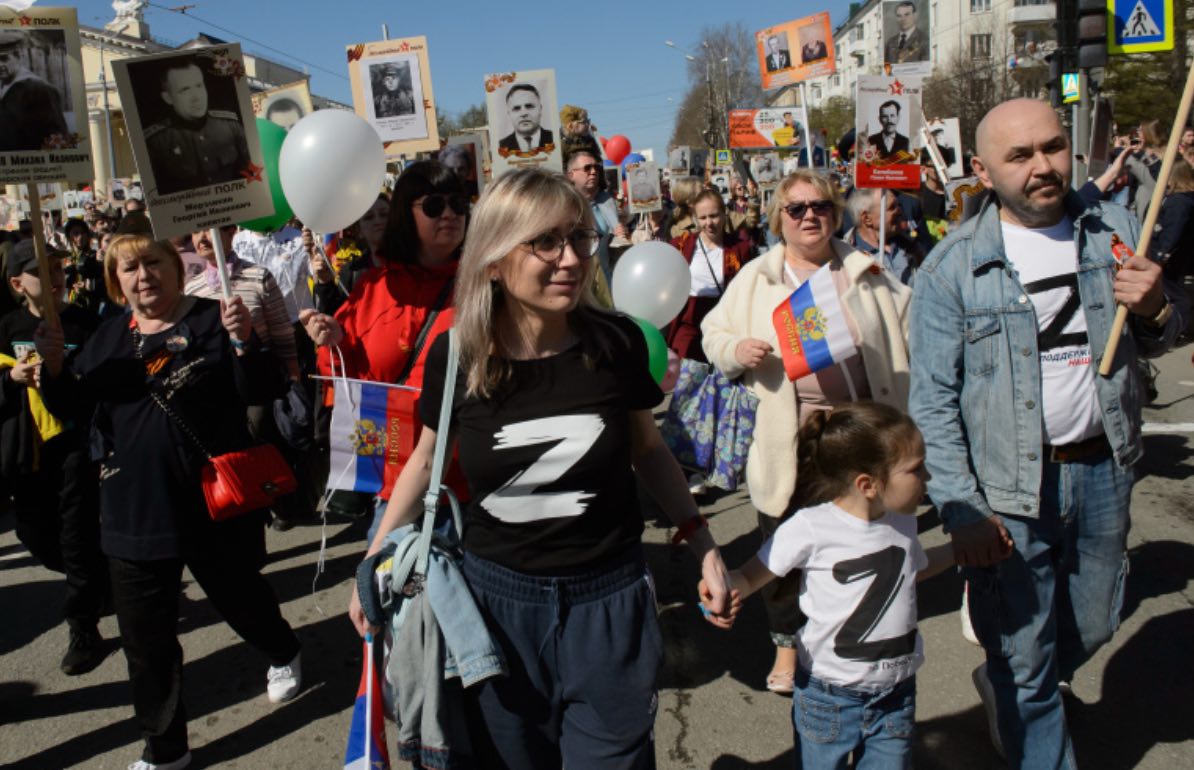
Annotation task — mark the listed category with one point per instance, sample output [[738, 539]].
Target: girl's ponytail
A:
[[834, 447]]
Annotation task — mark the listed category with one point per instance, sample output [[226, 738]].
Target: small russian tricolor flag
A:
[[811, 326], [367, 736], [372, 433]]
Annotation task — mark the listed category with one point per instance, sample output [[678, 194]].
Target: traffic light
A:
[[1055, 70], [1092, 33]]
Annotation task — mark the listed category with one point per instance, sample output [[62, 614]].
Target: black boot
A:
[[85, 651]]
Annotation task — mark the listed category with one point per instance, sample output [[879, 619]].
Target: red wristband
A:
[[688, 528]]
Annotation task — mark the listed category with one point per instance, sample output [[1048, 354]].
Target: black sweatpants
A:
[[225, 559], [57, 519]]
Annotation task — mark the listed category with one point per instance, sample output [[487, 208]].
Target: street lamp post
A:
[[710, 132]]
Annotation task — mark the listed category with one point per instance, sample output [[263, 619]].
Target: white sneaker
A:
[[696, 484], [177, 764], [986, 693], [967, 627], [285, 681]]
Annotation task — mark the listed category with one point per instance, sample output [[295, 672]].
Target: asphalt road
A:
[[714, 710]]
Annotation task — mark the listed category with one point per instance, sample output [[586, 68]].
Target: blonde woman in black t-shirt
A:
[[552, 420]]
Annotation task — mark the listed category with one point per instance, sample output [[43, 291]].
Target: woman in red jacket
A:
[[378, 328], [714, 257]]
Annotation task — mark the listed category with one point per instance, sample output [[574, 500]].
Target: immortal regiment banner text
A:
[[43, 111], [194, 138], [391, 88]]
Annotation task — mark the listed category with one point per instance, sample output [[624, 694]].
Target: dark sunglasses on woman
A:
[[433, 205], [820, 208]]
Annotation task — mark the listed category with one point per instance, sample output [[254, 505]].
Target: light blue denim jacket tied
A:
[[976, 380]]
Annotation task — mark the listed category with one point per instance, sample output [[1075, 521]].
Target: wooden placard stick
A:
[[1154, 210], [49, 311]]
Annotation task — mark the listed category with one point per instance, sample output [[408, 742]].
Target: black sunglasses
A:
[[433, 205], [588, 168], [820, 208]]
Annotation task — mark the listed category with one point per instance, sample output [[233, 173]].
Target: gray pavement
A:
[[714, 711]]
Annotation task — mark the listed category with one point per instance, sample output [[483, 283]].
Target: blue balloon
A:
[[633, 157], [610, 164]]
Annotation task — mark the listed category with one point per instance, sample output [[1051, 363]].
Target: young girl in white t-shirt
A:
[[860, 559]]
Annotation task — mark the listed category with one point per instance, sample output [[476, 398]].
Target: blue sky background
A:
[[608, 56]]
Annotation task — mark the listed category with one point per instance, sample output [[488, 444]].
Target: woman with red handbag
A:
[[385, 327], [170, 382]]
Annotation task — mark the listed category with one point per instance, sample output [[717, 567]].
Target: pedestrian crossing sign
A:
[[1070, 91], [1139, 26]]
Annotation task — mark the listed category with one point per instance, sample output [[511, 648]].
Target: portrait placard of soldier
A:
[[463, 156], [888, 118], [643, 188], [906, 44], [391, 88], [766, 169], [284, 105], [43, 101], [678, 159], [522, 109], [194, 138]]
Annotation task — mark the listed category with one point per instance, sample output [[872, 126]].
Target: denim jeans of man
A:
[[1045, 610], [834, 722]]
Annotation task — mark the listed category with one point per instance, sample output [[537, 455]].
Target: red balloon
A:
[[617, 147]]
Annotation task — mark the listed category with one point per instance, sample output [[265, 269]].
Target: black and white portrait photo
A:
[[679, 159], [191, 121], [34, 91], [905, 35], [524, 107], [284, 112], [192, 129], [766, 169], [462, 157], [522, 119], [285, 105], [888, 141], [779, 53], [393, 94], [812, 44], [643, 187]]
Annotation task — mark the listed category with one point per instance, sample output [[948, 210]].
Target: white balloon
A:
[[332, 166], [651, 282]]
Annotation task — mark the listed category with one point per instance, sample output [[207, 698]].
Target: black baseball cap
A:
[[23, 259]]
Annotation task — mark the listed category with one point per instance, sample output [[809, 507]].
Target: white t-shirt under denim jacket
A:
[[858, 589]]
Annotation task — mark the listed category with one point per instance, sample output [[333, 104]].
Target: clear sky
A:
[[609, 55]]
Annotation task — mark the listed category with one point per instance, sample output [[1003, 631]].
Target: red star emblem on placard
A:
[[897, 88], [253, 172], [25, 21]]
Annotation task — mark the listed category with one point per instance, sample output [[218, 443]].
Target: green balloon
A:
[[272, 135], [656, 349]]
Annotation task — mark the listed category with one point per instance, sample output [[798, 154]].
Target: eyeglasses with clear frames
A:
[[549, 247]]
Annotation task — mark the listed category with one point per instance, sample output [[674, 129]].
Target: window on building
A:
[[980, 46], [980, 6], [856, 33], [816, 93], [837, 81]]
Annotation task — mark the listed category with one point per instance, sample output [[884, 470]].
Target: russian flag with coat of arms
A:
[[372, 434], [811, 326]]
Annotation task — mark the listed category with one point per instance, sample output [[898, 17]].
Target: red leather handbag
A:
[[246, 480]]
